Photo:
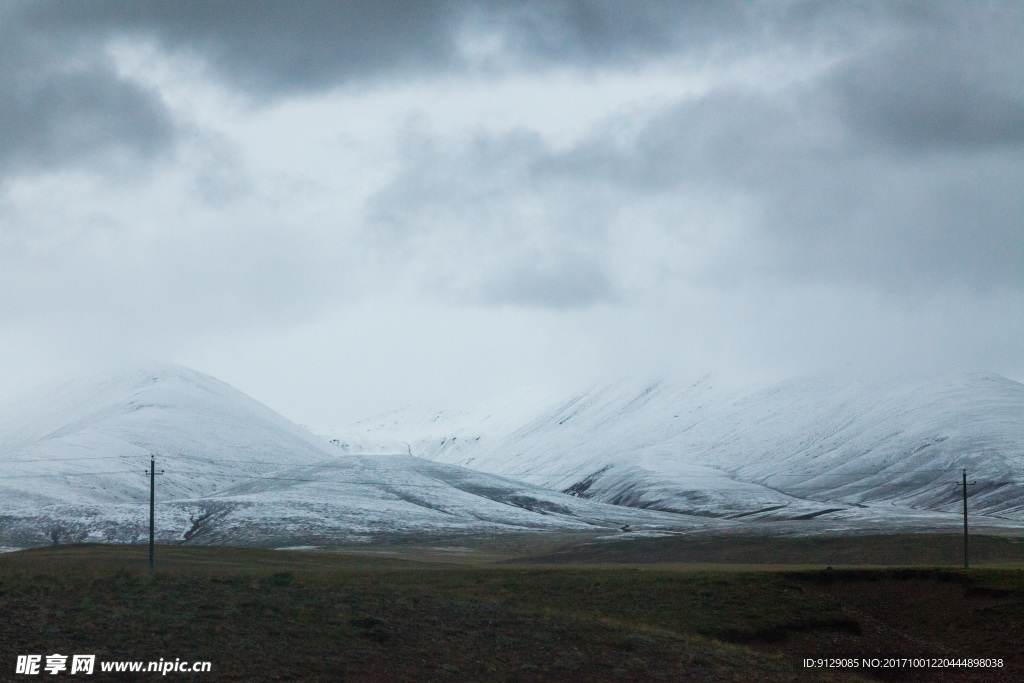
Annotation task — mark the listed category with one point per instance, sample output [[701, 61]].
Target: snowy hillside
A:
[[805, 448], [73, 463], [804, 455]]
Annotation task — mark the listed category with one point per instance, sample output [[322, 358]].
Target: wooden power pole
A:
[[965, 484], [152, 502]]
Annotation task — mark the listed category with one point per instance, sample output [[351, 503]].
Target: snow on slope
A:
[[799, 449], [110, 424], [72, 468]]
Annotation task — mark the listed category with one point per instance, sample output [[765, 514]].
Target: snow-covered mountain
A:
[[72, 465], [810, 447], [805, 455]]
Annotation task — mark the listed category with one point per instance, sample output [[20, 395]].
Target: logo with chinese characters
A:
[[55, 664]]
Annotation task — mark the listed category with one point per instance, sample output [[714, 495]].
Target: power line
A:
[[98, 457], [254, 461], [228, 475], [370, 482], [63, 474], [717, 476], [332, 464], [478, 472], [748, 479]]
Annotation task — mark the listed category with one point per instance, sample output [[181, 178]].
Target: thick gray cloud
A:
[[790, 180], [834, 204], [273, 47], [897, 169], [950, 82], [62, 100], [835, 163], [63, 104], [828, 205], [594, 33]]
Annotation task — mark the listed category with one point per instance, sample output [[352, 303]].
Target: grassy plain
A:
[[900, 550], [449, 614]]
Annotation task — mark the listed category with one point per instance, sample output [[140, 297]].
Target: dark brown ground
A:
[[928, 550], [925, 613], [270, 616]]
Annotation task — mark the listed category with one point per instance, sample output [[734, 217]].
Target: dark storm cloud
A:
[[930, 105], [833, 205], [900, 165], [68, 118], [609, 32], [273, 47], [270, 48], [953, 80], [61, 100], [62, 103], [899, 168]]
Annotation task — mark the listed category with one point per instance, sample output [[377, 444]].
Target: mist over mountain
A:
[[236, 472], [809, 454], [776, 452]]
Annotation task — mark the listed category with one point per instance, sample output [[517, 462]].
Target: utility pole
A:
[[152, 501], [965, 484]]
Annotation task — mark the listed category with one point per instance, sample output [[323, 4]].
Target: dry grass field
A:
[[565, 615]]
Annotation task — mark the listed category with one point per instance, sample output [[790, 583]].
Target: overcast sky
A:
[[345, 207]]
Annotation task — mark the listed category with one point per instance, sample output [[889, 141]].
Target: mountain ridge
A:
[[237, 472], [818, 439]]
